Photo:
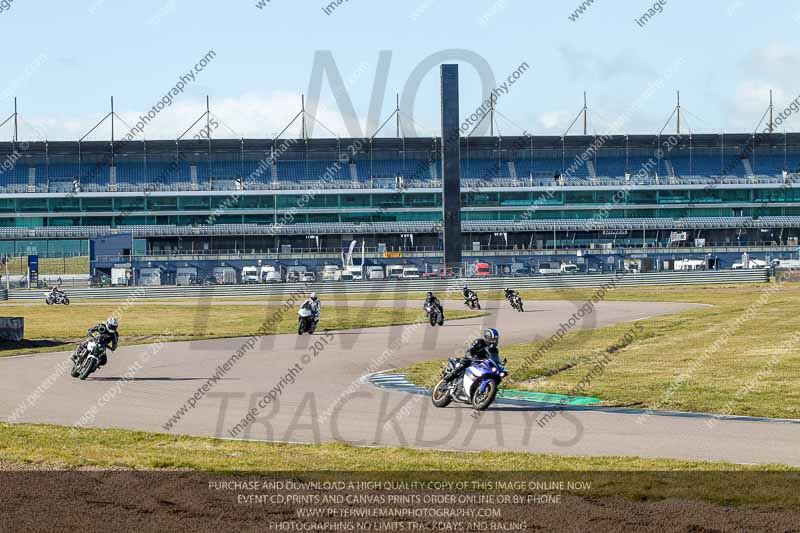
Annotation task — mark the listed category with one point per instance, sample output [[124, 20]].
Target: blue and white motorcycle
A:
[[477, 386]]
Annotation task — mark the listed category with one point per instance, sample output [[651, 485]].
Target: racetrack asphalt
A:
[[326, 399]]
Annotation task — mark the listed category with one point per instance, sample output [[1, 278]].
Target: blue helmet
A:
[[491, 336]]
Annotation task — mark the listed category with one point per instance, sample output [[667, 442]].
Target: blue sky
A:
[[64, 59]]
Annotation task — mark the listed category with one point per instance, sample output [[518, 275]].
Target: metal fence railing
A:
[[575, 281]]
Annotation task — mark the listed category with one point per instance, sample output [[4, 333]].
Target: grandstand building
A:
[[521, 196]]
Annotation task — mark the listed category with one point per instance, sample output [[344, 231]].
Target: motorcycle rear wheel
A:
[[482, 400], [440, 396]]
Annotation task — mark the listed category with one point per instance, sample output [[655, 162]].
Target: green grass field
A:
[[741, 356], [49, 328]]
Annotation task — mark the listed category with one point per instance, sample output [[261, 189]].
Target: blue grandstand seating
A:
[[610, 167], [132, 175], [62, 171], [769, 165], [549, 166], [483, 169], [702, 166], [226, 169], [775, 164], [415, 169], [15, 177]]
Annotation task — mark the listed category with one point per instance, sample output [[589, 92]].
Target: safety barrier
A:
[[573, 281]]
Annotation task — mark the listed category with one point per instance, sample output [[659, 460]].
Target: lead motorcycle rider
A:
[[433, 301], [481, 348], [510, 293], [314, 305], [108, 338]]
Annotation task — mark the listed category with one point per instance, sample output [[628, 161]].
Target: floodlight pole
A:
[[303, 116], [678, 120], [491, 117], [16, 138], [770, 111], [585, 111], [112, 131]]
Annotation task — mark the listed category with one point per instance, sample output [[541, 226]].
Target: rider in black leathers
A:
[[468, 294], [433, 301], [510, 293], [481, 348], [108, 337]]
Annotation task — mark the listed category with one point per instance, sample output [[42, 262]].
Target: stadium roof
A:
[[571, 142]]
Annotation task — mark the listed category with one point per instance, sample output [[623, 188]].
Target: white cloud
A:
[[774, 66], [586, 65]]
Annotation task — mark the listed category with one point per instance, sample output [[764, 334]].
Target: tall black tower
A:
[[451, 168]]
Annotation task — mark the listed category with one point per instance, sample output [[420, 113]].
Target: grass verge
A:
[[741, 356], [53, 446], [52, 328]]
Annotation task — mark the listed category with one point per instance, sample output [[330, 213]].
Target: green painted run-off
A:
[[541, 397]]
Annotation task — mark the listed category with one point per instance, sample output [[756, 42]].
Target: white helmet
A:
[[112, 324], [313, 296]]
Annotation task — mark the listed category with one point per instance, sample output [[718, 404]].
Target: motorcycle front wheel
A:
[[66, 301], [89, 365], [440, 396], [482, 400], [75, 372]]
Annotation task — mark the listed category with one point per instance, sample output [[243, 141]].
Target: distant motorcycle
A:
[[473, 302], [477, 386], [57, 298], [306, 322], [86, 357], [435, 315], [516, 303]]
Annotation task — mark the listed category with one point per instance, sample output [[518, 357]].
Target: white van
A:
[[569, 269], [375, 272], [356, 272], [549, 268], [250, 274], [410, 272], [331, 273], [270, 274], [394, 271]]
